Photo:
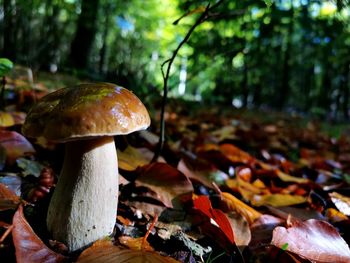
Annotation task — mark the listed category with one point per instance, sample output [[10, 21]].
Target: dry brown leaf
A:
[[315, 240], [103, 251], [8, 199], [278, 200], [167, 182], [341, 202], [29, 247], [248, 212], [131, 158], [138, 243]]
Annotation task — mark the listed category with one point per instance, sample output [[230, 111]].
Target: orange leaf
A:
[[248, 212], [103, 251], [29, 247], [8, 199], [235, 154]]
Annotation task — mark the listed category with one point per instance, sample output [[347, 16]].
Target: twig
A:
[[166, 74], [6, 233]]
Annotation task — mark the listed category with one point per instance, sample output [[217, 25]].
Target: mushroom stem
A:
[[83, 207]]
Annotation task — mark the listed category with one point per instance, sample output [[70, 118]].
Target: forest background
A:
[[283, 54]]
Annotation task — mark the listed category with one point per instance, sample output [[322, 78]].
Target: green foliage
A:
[[5, 66], [277, 54], [269, 2]]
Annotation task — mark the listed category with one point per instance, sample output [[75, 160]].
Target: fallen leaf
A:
[[130, 159], [6, 119], [204, 175], [8, 199], [315, 240], [240, 227], [235, 154], [29, 247], [103, 251], [216, 216], [138, 243], [341, 202], [12, 182], [334, 215], [167, 182], [234, 203], [261, 230], [278, 200], [29, 167], [15, 145]]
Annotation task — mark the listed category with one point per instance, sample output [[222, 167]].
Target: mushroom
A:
[[85, 117]]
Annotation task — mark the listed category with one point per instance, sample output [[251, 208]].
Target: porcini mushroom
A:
[[85, 117]]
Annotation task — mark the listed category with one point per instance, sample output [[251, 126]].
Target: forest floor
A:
[[230, 186]]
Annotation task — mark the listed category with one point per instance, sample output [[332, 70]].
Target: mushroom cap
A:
[[84, 111]]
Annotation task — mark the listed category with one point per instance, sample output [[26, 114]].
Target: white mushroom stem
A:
[[83, 207]]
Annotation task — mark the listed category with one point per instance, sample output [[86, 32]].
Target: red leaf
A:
[[29, 247], [315, 240], [202, 203]]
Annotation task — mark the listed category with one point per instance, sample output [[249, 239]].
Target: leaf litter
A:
[[229, 186]]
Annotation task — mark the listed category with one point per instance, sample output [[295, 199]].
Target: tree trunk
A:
[[284, 91], [85, 34], [9, 30], [103, 51], [51, 32], [244, 85], [326, 87], [345, 91]]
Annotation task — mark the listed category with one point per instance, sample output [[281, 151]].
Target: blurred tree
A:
[[85, 34], [289, 55]]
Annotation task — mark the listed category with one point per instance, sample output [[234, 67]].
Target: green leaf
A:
[[268, 2], [29, 167], [284, 246], [5, 66]]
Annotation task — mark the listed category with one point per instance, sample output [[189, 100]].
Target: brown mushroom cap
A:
[[86, 110]]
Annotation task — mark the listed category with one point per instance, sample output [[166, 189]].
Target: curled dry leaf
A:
[[130, 159], [234, 203], [315, 240], [29, 247], [103, 251], [240, 227], [8, 199], [334, 215], [15, 145], [341, 202], [167, 182]]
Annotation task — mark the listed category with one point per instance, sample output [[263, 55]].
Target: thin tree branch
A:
[[166, 75]]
